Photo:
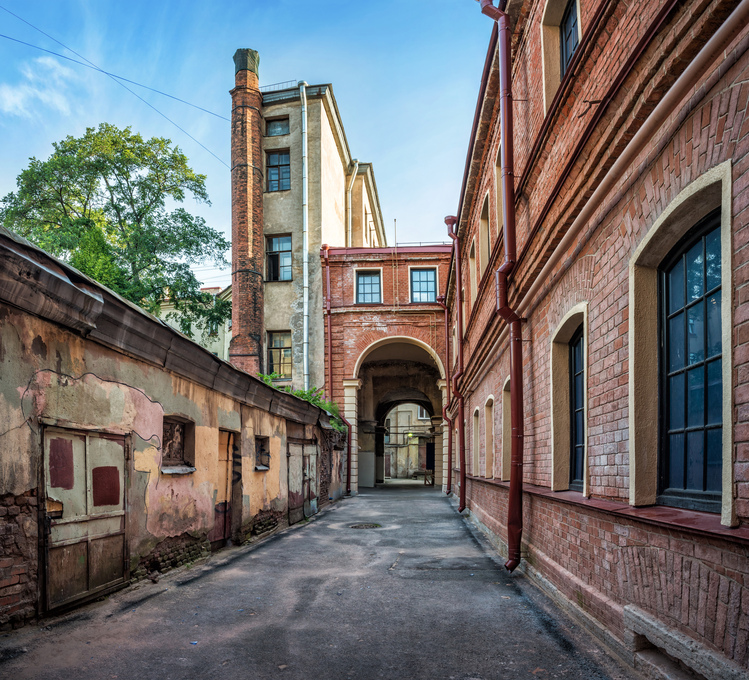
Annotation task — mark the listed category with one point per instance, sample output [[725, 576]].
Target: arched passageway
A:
[[399, 379]]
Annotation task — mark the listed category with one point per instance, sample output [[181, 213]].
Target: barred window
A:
[[278, 170], [279, 353], [423, 285], [368, 287]]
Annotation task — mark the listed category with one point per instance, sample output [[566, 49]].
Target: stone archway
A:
[[392, 372]]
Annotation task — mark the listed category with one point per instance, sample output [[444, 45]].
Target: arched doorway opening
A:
[[394, 377]]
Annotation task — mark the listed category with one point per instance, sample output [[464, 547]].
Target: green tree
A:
[[107, 203]]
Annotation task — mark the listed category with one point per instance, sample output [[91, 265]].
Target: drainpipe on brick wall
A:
[[349, 224], [305, 238], [515, 502], [441, 301], [451, 221], [329, 360]]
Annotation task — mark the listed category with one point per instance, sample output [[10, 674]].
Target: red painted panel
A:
[[61, 472], [106, 485]]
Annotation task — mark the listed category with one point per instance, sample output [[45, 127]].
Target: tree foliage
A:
[[107, 203], [314, 395]]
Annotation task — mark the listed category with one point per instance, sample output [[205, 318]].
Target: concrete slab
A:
[[419, 596]]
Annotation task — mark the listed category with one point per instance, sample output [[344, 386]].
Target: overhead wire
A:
[[115, 79], [114, 75]]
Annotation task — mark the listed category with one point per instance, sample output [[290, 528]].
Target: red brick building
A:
[[384, 343], [627, 284]]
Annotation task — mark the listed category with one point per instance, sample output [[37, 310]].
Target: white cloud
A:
[[43, 88]]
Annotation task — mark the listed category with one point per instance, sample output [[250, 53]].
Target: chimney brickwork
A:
[[246, 348]]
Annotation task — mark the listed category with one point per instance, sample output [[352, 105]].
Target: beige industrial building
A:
[[313, 193]]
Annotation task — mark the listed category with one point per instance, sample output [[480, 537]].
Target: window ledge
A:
[[177, 470], [261, 468], [691, 521], [277, 191]]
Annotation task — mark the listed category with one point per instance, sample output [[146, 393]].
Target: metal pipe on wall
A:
[[451, 221], [441, 299], [305, 239], [515, 502]]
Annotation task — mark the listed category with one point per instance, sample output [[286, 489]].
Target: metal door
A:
[[311, 482], [84, 520], [296, 463], [221, 531]]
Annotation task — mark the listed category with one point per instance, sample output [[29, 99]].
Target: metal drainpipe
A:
[[348, 200], [305, 238], [441, 301], [451, 221], [515, 502], [329, 346]]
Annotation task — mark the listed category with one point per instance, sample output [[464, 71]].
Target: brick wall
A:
[[693, 582], [18, 558]]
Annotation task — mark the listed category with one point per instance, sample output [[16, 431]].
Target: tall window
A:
[[278, 170], [368, 287], [691, 361], [278, 256], [423, 285], [577, 411], [279, 353], [476, 453], [568, 34]]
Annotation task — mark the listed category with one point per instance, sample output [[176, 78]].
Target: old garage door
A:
[[84, 522]]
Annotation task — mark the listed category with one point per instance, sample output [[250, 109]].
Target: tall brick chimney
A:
[[246, 348]]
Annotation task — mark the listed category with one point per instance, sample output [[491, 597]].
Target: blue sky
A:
[[405, 74]]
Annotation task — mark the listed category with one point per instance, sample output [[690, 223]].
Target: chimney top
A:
[[246, 60]]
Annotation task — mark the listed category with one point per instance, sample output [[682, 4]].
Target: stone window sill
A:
[[177, 470], [261, 468]]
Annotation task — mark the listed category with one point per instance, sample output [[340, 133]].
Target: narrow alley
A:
[[392, 583]]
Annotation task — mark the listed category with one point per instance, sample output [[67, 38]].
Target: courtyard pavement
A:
[[421, 595]]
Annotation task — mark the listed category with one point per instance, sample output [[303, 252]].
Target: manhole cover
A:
[[366, 526]]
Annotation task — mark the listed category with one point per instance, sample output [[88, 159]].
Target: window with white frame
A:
[[423, 285], [368, 287]]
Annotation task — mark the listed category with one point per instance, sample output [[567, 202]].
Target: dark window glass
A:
[[577, 411], [568, 35], [692, 388], [278, 256], [368, 287], [423, 285], [277, 127], [278, 169], [279, 354]]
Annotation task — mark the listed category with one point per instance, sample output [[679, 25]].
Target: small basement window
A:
[[262, 453], [178, 446]]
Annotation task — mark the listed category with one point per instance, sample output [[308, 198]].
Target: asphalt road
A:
[[420, 596]]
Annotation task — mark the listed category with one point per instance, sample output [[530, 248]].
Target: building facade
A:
[[626, 160], [296, 186], [128, 449]]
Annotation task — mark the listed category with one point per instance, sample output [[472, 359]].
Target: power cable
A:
[[135, 94], [114, 75]]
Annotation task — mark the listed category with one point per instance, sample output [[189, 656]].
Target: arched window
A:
[[577, 410], [489, 437], [475, 467], [485, 245], [690, 462]]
